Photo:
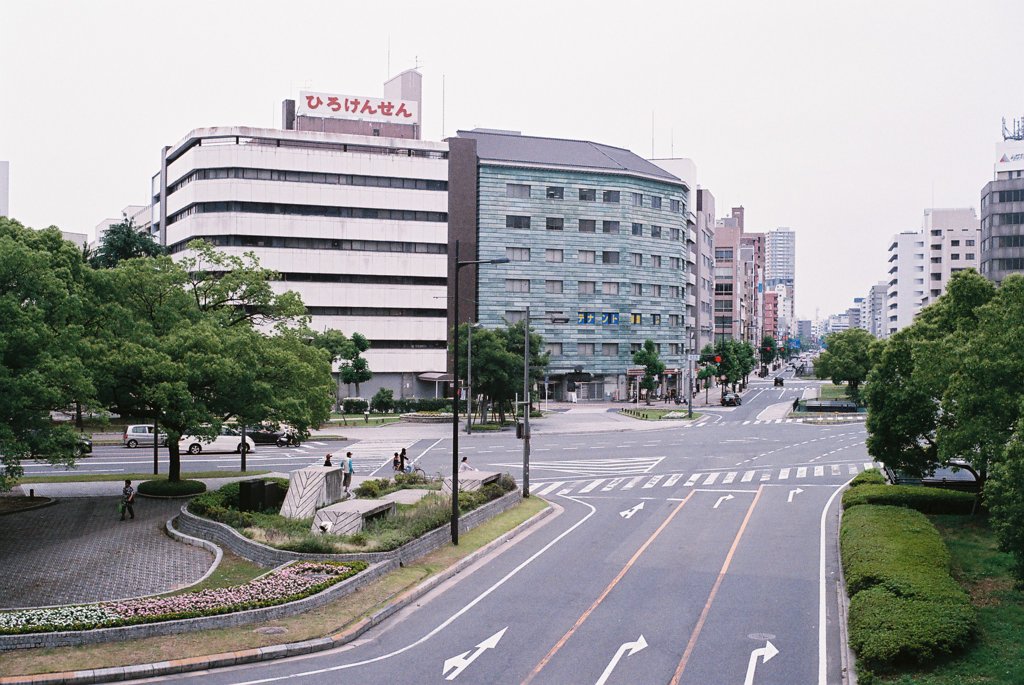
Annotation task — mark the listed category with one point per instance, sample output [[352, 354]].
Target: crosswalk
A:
[[700, 479]]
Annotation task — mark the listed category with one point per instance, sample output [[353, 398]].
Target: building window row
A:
[[1004, 264], [216, 141], [612, 319], [377, 311], [291, 242], [522, 191], [1010, 218], [277, 208], [1002, 241], [555, 286], [554, 223], [307, 177], [1008, 196], [368, 279]]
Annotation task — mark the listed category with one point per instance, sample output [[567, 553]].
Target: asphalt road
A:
[[700, 555]]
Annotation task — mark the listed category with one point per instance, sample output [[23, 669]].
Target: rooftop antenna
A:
[[442, 106], [1018, 130], [652, 134], [388, 75]]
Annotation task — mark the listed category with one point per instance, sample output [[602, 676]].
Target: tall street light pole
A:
[[526, 409], [455, 387], [469, 375]]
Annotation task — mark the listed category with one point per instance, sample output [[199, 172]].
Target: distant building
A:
[[1002, 209], [139, 215], [954, 244], [876, 320], [906, 280], [780, 268]]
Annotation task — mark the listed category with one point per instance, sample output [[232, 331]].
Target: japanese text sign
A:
[[326, 105]]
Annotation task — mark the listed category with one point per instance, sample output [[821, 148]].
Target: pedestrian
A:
[[466, 466], [346, 469], [403, 460], [127, 499], [396, 463], [327, 460]]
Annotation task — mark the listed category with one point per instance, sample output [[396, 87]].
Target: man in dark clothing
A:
[[127, 499]]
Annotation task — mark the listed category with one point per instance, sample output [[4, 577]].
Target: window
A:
[[609, 257], [636, 259], [674, 234], [587, 287], [585, 349], [553, 256], [638, 199], [515, 316], [656, 319], [675, 206], [610, 288], [936, 277], [723, 253], [553, 287], [673, 348], [610, 196], [586, 256], [553, 223], [517, 222], [636, 319], [674, 291], [723, 305], [655, 231], [518, 254], [969, 255], [655, 290], [587, 225], [610, 226], [635, 347], [674, 320], [955, 255], [636, 289], [609, 349], [655, 202], [554, 349], [969, 243], [588, 195], [723, 288], [517, 191], [954, 243], [675, 262], [555, 192], [517, 285], [638, 229], [656, 261]]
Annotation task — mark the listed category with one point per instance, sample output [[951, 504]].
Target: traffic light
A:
[[718, 359]]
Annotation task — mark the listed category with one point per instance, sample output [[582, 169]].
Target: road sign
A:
[[693, 357]]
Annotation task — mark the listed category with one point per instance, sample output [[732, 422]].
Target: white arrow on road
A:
[[626, 649], [795, 491], [629, 512], [768, 651], [724, 498], [460, 662]]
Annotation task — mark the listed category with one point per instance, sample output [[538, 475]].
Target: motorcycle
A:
[[288, 440]]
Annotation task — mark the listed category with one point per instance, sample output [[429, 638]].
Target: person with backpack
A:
[[127, 500]]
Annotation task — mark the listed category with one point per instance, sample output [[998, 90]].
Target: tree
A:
[[193, 348], [1004, 493], [846, 360], [45, 310], [648, 357], [910, 372], [355, 369], [338, 347], [123, 241], [769, 350]]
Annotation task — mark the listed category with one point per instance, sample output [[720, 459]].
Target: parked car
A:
[[229, 440], [141, 434], [731, 399]]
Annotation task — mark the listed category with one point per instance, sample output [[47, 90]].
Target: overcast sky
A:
[[842, 120]]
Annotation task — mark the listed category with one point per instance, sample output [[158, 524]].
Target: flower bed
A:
[[286, 584]]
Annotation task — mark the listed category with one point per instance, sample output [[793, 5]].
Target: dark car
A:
[[78, 445], [267, 435], [779, 382], [731, 399]]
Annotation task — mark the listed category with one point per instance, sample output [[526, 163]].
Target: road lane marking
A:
[[612, 483], [593, 484], [853, 469], [748, 476], [835, 469], [615, 581], [632, 482], [548, 488], [712, 477], [729, 477], [801, 472], [692, 480], [783, 474], [653, 481], [714, 590], [868, 465], [822, 587], [819, 470], [672, 480]]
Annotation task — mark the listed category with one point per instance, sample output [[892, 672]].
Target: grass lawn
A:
[[330, 619], [354, 420], [651, 414], [831, 391], [997, 656], [135, 477]]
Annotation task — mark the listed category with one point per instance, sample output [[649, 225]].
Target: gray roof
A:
[[510, 146]]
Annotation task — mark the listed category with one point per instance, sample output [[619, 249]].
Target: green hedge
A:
[[868, 477], [923, 499], [904, 606], [171, 488]]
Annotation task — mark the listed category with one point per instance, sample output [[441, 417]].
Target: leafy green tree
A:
[[338, 347], [383, 401], [648, 357], [846, 360], [910, 372], [982, 403], [45, 319], [769, 350], [1004, 493], [123, 241], [354, 368], [194, 347]]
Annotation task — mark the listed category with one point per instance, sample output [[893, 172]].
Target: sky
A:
[[841, 120]]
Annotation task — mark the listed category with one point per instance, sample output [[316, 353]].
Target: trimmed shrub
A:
[[354, 406], [905, 606], [868, 477], [925, 500], [383, 401], [169, 488], [372, 489]]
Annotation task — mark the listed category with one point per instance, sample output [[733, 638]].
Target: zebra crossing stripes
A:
[[673, 479], [729, 477], [653, 481], [712, 477], [612, 484], [592, 485], [693, 479], [801, 471], [783, 474], [543, 490], [819, 470], [747, 477], [632, 483]]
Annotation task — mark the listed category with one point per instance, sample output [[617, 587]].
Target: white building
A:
[[906, 279], [954, 241], [140, 215], [780, 269], [346, 203], [876, 317]]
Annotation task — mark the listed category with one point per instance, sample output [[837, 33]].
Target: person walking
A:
[[466, 466], [396, 463], [346, 469], [327, 459], [127, 499], [403, 462]]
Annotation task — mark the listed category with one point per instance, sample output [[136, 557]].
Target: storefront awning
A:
[[435, 377]]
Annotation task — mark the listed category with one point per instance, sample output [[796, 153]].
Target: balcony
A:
[[691, 278]]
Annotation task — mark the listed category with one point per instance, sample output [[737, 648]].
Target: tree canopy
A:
[[123, 241], [648, 357], [846, 360]]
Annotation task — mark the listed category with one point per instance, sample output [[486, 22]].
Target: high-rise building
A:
[[906, 279], [346, 203], [599, 250], [752, 250], [1002, 209], [954, 242], [780, 266], [705, 262], [732, 276], [876, 319]]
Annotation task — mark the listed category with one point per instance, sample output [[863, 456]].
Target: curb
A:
[[48, 502], [273, 652]]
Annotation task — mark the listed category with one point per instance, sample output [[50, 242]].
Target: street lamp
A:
[[455, 386], [469, 376]]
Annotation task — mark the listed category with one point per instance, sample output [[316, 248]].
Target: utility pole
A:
[[526, 405]]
